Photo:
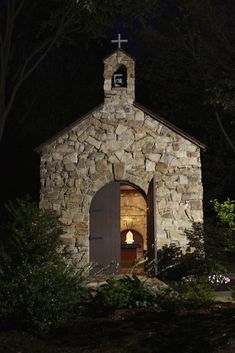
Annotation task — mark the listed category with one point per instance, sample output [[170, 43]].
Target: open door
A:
[[152, 226], [105, 228]]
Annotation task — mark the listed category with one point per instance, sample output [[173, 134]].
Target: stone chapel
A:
[[122, 180]]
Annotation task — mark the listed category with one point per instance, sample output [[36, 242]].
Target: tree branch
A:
[[66, 19], [12, 13], [224, 132], [26, 71]]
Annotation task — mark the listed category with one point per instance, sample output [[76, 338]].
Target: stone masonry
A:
[[121, 141]]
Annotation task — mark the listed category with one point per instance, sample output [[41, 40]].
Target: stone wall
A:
[[103, 148], [119, 141]]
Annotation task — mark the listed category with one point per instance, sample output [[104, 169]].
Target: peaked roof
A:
[[67, 128], [170, 125], [137, 105], [119, 50]]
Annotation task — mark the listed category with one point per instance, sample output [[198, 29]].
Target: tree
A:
[[51, 24], [225, 212], [19, 59], [188, 62], [208, 35], [193, 43]]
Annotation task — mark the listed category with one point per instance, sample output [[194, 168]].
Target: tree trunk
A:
[[2, 116], [227, 138]]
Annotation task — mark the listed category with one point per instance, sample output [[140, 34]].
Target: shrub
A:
[[131, 292], [205, 253], [109, 297], [194, 292], [226, 215], [169, 299], [225, 212], [37, 287], [184, 293], [127, 292], [31, 234], [140, 295], [169, 259], [173, 264], [42, 296]]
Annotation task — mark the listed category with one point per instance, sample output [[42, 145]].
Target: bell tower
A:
[[119, 77]]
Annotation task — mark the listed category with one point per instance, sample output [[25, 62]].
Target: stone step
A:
[[224, 296]]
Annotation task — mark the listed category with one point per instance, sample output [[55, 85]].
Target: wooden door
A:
[[152, 226], [105, 228]]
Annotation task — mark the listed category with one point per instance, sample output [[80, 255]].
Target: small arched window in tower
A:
[[119, 78]]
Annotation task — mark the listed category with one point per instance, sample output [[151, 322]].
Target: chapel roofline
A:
[[170, 125], [119, 50], [67, 128], [153, 115]]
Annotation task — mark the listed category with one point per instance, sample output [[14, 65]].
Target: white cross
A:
[[119, 40]]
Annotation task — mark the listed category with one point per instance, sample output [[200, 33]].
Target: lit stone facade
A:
[[120, 140]]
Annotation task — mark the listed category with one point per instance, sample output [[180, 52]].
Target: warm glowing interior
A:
[[133, 225]]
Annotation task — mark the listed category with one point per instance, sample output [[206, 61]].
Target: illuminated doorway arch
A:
[[107, 222]]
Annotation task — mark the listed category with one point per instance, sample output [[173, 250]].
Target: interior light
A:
[[129, 237]]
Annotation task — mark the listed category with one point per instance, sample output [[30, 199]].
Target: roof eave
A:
[[68, 128], [170, 126]]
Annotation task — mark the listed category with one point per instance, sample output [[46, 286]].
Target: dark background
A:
[[184, 72]]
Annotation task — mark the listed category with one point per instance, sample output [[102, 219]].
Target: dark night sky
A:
[[169, 81]]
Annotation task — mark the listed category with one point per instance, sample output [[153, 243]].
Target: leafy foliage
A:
[[37, 286], [31, 235], [206, 253], [194, 292], [170, 262], [173, 263], [42, 296], [225, 212], [131, 292], [127, 292]]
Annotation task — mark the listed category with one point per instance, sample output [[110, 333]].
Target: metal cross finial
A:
[[119, 40]]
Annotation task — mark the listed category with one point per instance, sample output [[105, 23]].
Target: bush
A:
[[169, 299], [127, 292], [225, 212], [173, 264], [131, 292], [226, 215], [169, 260], [184, 293], [205, 254], [37, 287], [31, 234], [41, 296], [195, 292], [140, 295], [109, 297]]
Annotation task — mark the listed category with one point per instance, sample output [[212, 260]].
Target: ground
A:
[[189, 330]]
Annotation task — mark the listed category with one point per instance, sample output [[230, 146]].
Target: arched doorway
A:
[[117, 208]]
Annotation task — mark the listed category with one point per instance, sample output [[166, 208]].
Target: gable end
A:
[[170, 125], [67, 129]]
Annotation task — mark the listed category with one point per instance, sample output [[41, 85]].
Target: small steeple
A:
[[119, 77]]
